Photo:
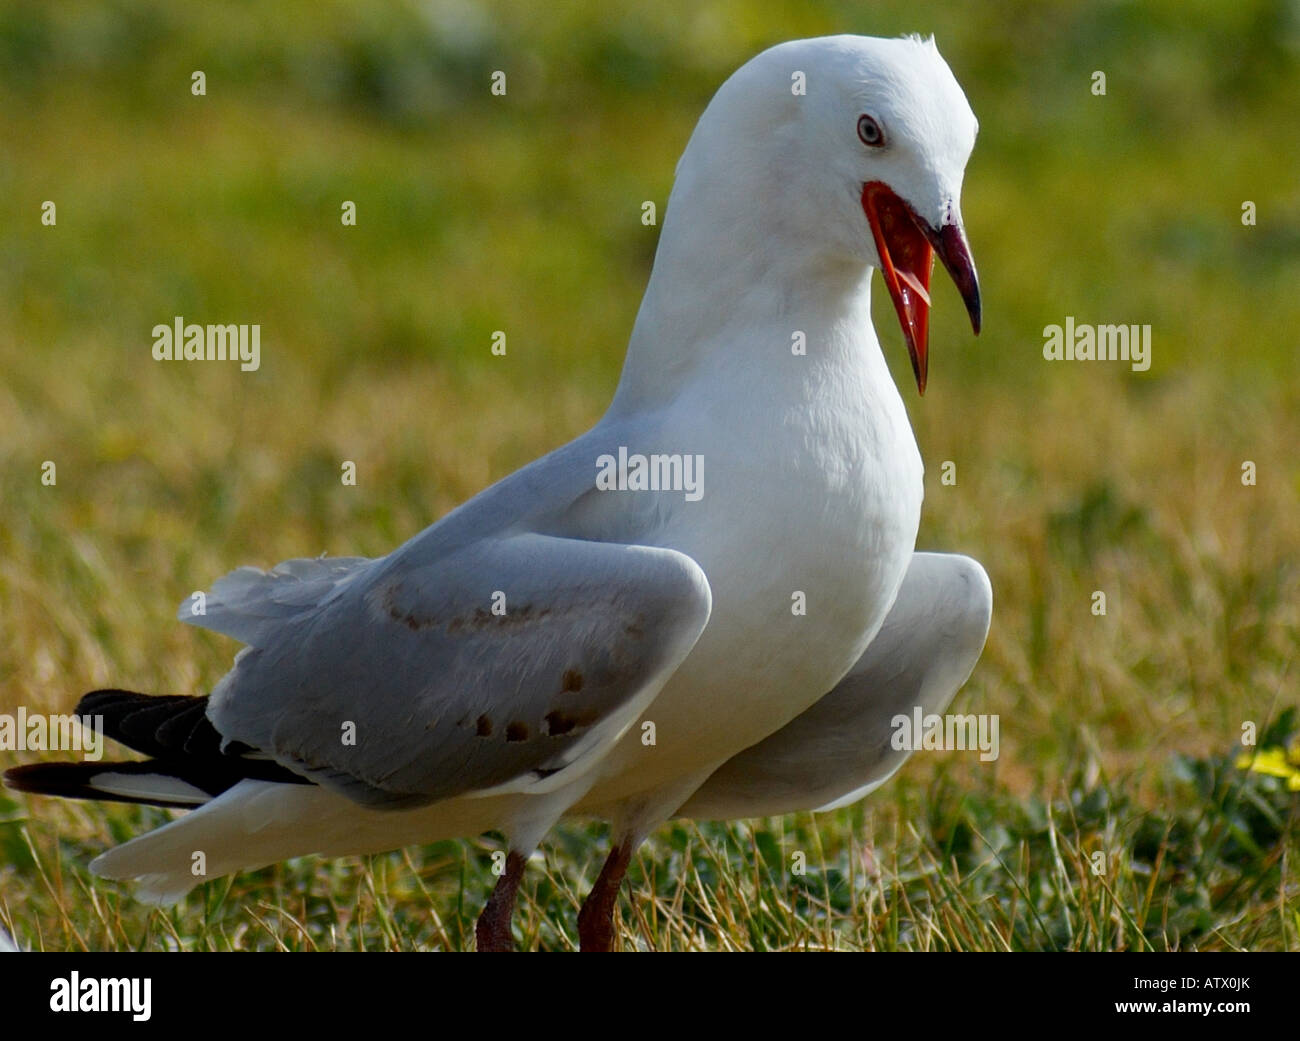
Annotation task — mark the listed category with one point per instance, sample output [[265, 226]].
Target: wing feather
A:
[[499, 664]]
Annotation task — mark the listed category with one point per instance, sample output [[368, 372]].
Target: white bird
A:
[[556, 646]]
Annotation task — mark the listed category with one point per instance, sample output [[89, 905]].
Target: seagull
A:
[[612, 639]]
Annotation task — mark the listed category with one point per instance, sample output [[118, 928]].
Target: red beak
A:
[[907, 245]]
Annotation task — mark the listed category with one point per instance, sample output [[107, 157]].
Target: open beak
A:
[[907, 245]]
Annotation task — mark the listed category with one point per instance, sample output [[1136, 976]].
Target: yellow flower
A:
[[1275, 762]]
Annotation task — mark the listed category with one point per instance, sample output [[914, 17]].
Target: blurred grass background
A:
[[522, 213]]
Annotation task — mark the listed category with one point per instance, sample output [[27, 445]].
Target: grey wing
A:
[[253, 605], [841, 748], [513, 662]]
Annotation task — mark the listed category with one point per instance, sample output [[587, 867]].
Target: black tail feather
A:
[[77, 781], [174, 731], [157, 724]]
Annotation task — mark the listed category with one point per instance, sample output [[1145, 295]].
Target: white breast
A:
[[812, 497]]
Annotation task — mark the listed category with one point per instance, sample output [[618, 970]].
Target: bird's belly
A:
[[797, 596]]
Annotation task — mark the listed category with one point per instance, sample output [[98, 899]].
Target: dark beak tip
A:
[[975, 304], [949, 244]]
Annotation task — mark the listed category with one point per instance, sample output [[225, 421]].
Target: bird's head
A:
[[897, 130], [858, 147]]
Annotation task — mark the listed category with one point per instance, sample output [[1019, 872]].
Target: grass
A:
[[1120, 734]]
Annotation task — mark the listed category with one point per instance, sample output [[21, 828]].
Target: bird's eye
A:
[[869, 131]]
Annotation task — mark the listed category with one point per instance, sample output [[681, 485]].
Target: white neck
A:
[[732, 293]]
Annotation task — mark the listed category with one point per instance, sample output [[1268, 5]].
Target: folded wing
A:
[[511, 663]]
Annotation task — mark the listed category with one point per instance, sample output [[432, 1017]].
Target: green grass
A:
[[1120, 734]]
